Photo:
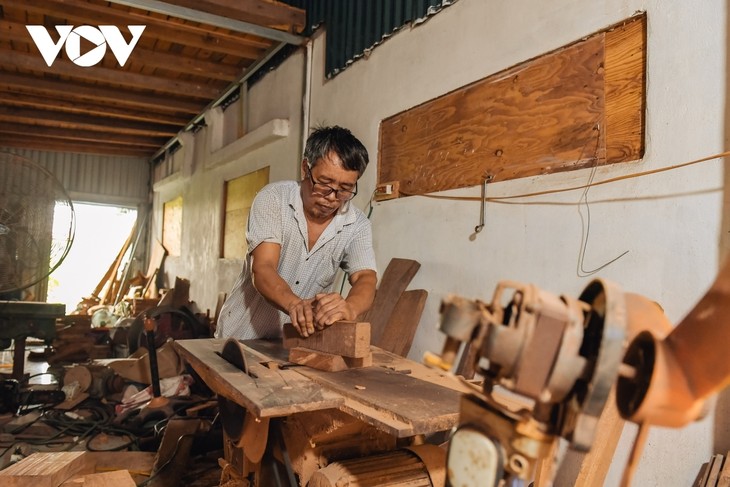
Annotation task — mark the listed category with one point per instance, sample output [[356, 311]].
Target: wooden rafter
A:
[[180, 66]]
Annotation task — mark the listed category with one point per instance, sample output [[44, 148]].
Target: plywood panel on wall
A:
[[240, 193], [575, 107]]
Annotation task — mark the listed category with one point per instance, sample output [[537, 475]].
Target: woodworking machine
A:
[[549, 363]]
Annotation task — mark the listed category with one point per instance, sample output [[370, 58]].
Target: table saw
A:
[[313, 422]]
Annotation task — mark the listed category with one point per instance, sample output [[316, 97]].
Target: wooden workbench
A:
[[396, 395]]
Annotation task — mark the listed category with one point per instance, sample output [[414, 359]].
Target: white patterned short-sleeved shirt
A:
[[277, 216]]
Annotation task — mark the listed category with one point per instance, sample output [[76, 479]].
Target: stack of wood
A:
[[390, 324], [344, 345], [77, 469], [77, 341], [116, 284], [714, 473]]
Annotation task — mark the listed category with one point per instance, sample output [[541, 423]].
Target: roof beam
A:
[[76, 12], [277, 15], [28, 142], [176, 63], [72, 121], [85, 91], [75, 106], [81, 135], [214, 20], [63, 67]]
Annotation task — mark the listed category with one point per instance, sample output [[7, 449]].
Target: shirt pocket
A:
[[327, 271]]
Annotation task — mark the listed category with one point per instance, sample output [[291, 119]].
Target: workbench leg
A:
[[19, 358]]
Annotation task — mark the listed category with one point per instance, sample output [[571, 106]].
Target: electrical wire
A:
[[503, 199]]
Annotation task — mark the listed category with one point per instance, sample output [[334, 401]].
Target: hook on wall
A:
[[482, 212]]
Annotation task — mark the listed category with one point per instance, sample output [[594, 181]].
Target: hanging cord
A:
[[586, 225]]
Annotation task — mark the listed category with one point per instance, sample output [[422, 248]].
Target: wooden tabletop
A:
[[396, 395]]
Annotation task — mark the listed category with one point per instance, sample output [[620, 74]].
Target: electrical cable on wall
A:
[[502, 199]]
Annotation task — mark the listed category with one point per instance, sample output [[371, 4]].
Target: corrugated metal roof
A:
[[354, 27], [117, 180]]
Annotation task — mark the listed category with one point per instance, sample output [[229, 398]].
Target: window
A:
[[239, 195]]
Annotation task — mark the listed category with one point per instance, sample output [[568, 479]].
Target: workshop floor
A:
[[203, 470]]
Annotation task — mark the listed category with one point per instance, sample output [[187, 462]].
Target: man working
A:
[[299, 235]]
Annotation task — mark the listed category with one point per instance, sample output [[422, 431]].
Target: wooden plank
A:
[[398, 335], [595, 464], [327, 361], [538, 117], [117, 478], [395, 280], [174, 452], [713, 473], [423, 406], [266, 393], [137, 463], [724, 477], [44, 469], [346, 338], [625, 79]]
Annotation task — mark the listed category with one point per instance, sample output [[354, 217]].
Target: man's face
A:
[[325, 175]]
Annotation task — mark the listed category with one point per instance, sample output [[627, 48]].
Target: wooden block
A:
[[44, 469], [327, 361], [117, 478], [346, 338]]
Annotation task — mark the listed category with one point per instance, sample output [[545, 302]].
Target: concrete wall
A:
[[672, 224], [207, 162]]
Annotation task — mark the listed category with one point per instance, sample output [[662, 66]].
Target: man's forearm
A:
[[274, 288], [362, 294]]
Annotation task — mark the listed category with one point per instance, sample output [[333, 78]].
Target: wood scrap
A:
[[174, 452], [395, 280], [44, 469], [397, 337], [346, 338]]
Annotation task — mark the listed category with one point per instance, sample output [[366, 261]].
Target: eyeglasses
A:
[[322, 189]]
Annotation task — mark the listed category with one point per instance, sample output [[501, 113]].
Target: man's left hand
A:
[[330, 308]]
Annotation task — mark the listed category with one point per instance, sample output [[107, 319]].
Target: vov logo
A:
[[71, 36]]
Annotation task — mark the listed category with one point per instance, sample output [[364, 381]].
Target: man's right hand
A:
[[302, 316]]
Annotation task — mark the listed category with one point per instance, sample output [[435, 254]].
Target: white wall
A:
[[672, 242], [202, 188], [670, 223]]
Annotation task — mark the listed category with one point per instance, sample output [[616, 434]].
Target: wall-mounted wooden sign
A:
[[578, 106]]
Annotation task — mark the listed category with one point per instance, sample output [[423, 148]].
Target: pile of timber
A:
[[76, 341], [78, 469]]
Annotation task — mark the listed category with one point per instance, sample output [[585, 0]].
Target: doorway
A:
[[101, 230]]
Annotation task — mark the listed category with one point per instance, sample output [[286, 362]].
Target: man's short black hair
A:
[[348, 148]]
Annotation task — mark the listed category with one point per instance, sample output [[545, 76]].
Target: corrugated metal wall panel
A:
[[356, 26], [100, 179]]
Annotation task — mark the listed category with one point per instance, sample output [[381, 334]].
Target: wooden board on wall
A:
[[561, 111]]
